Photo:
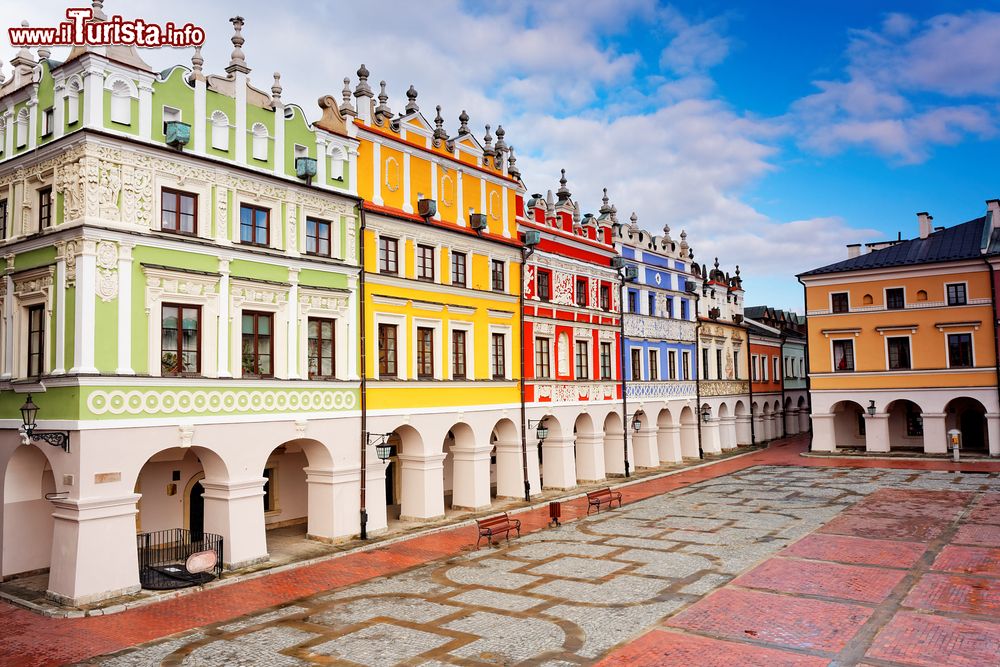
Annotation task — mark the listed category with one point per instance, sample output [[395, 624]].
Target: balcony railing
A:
[[178, 558]]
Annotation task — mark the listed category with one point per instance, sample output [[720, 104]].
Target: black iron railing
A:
[[164, 554]]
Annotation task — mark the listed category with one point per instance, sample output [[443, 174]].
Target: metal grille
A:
[[163, 553]]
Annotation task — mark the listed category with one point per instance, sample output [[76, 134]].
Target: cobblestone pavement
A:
[[896, 567]]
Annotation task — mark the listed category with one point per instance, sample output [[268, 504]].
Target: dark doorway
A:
[[196, 512], [972, 423]]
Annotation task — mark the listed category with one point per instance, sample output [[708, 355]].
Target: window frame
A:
[[833, 302], [972, 349], [543, 350], [425, 261], [580, 298], [257, 315], [3, 218], [604, 292], [685, 364], [654, 365], [44, 207], [319, 224], [672, 364], [582, 371], [48, 121], [390, 368], [333, 348], [180, 338], [177, 194], [254, 209], [498, 355], [965, 294], [833, 355], [605, 360], [388, 255], [889, 340], [894, 290], [425, 353], [545, 295], [455, 271], [498, 275], [459, 353], [30, 350]]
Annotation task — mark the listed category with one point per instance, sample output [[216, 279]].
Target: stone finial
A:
[[43, 53], [463, 123], [501, 146], [98, 10], [197, 62], [23, 56], [237, 61], [411, 100], [550, 201], [439, 131], [614, 213], [383, 97], [1, 76], [276, 89], [605, 205], [346, 108], [576, 213], [363, 89], [512, 169], [488, 142], [716, 263], [563, 192], [634, 226]]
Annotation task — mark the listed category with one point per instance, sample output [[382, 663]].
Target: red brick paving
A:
[[857, 550], [888, 528], [939, 505], [970, 560], [932, 641], [777, 619], [955, 592], [31, 639], [670, 648], [980, 535], [848, 582]]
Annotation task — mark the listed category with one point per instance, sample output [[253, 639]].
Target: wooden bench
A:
[[495, 526], [602, 496]]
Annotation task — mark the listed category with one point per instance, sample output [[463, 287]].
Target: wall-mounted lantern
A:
[[706, 414], [29, 411], [871, 408]]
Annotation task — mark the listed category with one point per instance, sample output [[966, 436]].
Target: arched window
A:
[[3, 134], [121, 103], [21, 135], [220, 131], [259, 141], [867, 300], [336, 162], [921, 295], [73, 87]]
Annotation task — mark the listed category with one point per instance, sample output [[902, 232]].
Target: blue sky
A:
[[773, 132]]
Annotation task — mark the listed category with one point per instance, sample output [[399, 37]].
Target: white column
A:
[[375, 499], [9, 141], [145, 109], [241, 117], [877, 432], [293, 326], [646, 453], [377, 174], [334, 502], [460, 212], [504, 219], [589, 458], [534, 469], [470, 477], [727, 432], [125, 309], [614, 455], [743, 435], [935, 433], [224, 306], [824, 438], [351, 328], [689, 440], [434, 187], [8, 319], [86, 283], [32, 122], [60, 299], [352, 156], [710, 443], [482, 197], [234, 510], [93, 549], [407, 206], [993, 432], [668, 444], [93, 97], [422, 486], [558, 464], [200, 115], [58, 117], [321, 160], [510, 470]]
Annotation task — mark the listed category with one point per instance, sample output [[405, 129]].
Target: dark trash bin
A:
[[555, 512]]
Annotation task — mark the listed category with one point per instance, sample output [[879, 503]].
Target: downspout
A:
[[996, 334], [805, 310], [364, 377], [526, 253], [698, 372], [621, 346]]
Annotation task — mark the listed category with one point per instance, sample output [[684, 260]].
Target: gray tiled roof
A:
[[962, 241]]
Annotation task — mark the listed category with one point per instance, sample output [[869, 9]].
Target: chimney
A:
[[853, 250], [993, 212], [926, 224]]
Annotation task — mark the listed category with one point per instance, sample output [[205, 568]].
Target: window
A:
[[839, 302], [581, 292], [718, 364], [170, 114], [497, 275], [36, 340], [121, 103], [960, 350], [669, 303], [543, 368], [321, 348], [764, 368], [458, 268], [499, 356], [180, 338], [458, 355], [425, 262], [894, 298], [387, 349], [704, 363], [899, 353], [652, 303], [258, 146], [636, 364], [425, 353], [581, 360], [754, 360], [258, 344], [178, 212], [736, 363], [686, 365], [220, 131], [44, 208], [777, 369], [388, 255], [3, 218], [956, 294], [654, 365], [605, 297], [255, 225], [318, 237], [605, 361], [684, 309], [843, 355], [914, 422], [48, 121], [672, 364], [633, 301], [544, 287]]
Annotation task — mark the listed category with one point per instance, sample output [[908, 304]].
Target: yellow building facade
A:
[[901, 344], [441, 312]]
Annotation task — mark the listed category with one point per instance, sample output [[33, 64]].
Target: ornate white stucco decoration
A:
[[186, 433], [107, 270], [136, 402], [641, 326], [660, 390]]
